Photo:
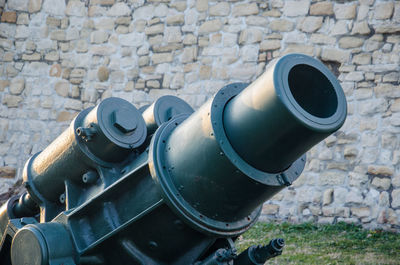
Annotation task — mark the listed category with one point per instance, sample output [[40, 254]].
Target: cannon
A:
[[166, 185]]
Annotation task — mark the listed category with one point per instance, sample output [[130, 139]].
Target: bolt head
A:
[[124, 121]]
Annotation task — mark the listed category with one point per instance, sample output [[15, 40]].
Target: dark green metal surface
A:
[[162, 185]]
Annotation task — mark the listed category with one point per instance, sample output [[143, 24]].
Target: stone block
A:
[[9, 17], [65, 116], [173, 35], [362, 58], [178, 5], [332, 178], [299, 48], [34, 6], [324, 8], [155, 29], [153, 84], [220, 9], [103, 73], [272, 13], [361, 28], [189, 54], [58, 35], [17, 86], [355, 76], [396, 181], [381, 183], [31, 57], [55, 70], [268, 45], [256, 21], [391, 77], [158, 58], [119, 10], [53, 22], [345, 11], [102, 2], [190, 39], [281, 25], [54, 7], [7, 172], [129, 86], [205, 72], [201, 5], [210, 26], [11, 101], [78, 73], [167, 48], [133, 39], [396, 198], [178, 81], [18, 5], [386, 90], [311, 24], [239, 10], [52, 56], [144, 60], [175, 19], [350, 152], [341, 27], [250, 35], [72, 34], [76, 8], [22, 32], [73, 104], [383, 171], [104, 24], [350, 42], [354, 196], [4, 84], [322, 39], [360, 211], [383, 10], [386, 27], [98, 37], [384, 199], [330, 54], [62, 88], [249, 53], [23, 19], [270, 209], [296, 8], [326, 220], [327, 197]]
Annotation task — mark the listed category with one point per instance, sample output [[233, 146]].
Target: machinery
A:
[[167, 185]]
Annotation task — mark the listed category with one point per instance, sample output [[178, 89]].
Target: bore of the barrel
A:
[[312, 91]]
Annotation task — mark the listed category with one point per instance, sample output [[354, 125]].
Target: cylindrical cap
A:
[[164, 109], [29, 247], [118, 127]]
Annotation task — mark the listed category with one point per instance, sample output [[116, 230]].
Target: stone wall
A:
[[60, 56]]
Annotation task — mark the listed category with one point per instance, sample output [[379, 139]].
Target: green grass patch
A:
[[326, 244]]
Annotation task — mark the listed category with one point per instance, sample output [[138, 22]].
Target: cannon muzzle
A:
[[294, 105]]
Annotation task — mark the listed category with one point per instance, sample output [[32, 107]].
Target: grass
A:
[[326, 244]]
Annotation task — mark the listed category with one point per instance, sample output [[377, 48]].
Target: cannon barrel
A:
[[245, 144], [163, 185], [294, 105]]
